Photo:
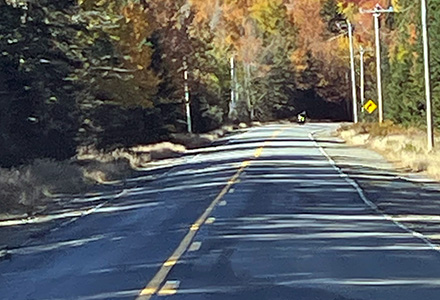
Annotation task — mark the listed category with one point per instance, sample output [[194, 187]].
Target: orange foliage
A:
[[311, 38], [306, 16], [140, 22]]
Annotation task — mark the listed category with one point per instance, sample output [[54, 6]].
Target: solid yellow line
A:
[[154, 285]]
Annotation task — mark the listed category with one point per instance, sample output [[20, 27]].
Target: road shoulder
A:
[[409, 199]]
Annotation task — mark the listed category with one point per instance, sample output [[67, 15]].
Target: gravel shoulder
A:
[[411, 199]]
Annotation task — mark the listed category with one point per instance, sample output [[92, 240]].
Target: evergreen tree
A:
[[39, 116]]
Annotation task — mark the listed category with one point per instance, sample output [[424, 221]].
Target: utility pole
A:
[[353, 73], [377, 12], [429, 124], [378, 66], [362, 53], [345, 26], [187, 96], [232, 103], [247, 79]]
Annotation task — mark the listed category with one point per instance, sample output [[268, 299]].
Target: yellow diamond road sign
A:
[[370, 106]]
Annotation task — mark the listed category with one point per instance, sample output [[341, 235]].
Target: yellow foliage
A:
[[343, 44], [349, 10], [128, 26], [401, 53], [396, 5], [298, 59], [267, 13]]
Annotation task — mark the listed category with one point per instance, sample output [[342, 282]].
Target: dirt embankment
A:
[[406, 147], [30, 189]]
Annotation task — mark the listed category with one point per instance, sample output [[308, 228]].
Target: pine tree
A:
[[39, 116]]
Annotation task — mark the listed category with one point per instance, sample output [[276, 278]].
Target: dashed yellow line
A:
[[169, 288], [195, 227], [277, 133], [259, 152], [170, 263], [154, 285]]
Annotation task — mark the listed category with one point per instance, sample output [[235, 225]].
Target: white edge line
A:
[[364, 198], [422, 181]]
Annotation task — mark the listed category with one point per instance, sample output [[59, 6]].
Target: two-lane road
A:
[[265, 215]]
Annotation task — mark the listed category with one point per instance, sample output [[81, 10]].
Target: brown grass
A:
[[135, 157], [192, 141], [406, 147], [27, 189]]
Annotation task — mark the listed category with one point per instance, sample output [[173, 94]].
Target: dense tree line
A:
[[405, 90], [110, 73]]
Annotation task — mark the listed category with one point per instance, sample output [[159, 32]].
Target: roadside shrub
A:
[[28, 187]]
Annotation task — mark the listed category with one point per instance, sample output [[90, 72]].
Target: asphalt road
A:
[[265, 214]]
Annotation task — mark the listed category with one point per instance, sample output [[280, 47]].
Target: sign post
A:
[[377, 12]]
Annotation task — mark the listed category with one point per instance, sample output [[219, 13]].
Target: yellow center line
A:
[[169, 288], [259, 152], [154, 285], [170, 263], [195, 227]]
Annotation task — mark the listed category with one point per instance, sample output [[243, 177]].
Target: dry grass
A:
[[135, 157], [192, 141], [405, 147], [377, 130], [27, 189], [98, 172], [104, 167]]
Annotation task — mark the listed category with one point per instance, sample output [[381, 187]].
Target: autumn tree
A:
[[118, 65]]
